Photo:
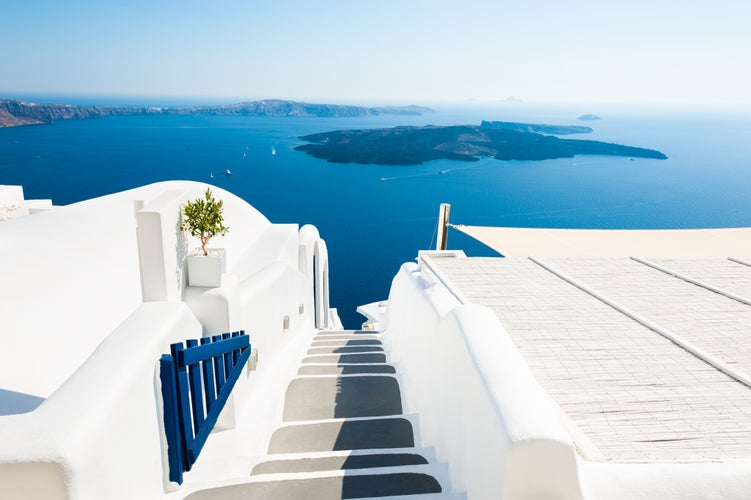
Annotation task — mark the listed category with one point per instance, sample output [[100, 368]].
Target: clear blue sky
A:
[[670, 51]]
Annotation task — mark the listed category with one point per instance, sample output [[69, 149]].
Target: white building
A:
[[93, 293], [521, 378]]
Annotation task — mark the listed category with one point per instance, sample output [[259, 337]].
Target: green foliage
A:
[[203, 218]]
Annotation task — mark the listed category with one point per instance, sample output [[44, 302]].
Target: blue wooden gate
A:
[[196, 383]]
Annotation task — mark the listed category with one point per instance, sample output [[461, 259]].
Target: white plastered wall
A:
[[71, 277], [487, 417], [477, 402], [103, 425]]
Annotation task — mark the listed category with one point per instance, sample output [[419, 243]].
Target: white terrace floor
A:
[[633, 394]]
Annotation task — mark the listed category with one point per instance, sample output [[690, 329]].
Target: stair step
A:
[[371, 336], [425, 496], [341, 397], [345, 342], [346, 358], [349, 332], [325, 488], [427, 453], [375, 433], [344, 370], [345, 349], [339, 463]]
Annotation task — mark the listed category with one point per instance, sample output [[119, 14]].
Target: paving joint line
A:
[[694, 281], [677, 340], [740, 261]]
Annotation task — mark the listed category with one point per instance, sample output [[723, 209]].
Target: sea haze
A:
[[371, 225]]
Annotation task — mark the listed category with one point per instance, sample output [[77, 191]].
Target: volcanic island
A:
[[500, 140]]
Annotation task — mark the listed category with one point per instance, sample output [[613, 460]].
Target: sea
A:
[[374, 218]]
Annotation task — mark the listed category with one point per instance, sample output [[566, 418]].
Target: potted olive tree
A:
[[203, 218]]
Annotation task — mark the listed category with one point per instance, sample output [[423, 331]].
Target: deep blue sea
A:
[[371, 226]]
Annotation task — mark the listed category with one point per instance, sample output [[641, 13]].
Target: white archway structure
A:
[[314, 264], [321, 283]]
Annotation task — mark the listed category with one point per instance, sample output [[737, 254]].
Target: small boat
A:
[[382, 179], [228, 172], [273, 150], [211, 175], [244, 155], [442, 171], [630, 159]]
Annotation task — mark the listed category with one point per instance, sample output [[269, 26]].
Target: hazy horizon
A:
[[587, 106], [422, 51]]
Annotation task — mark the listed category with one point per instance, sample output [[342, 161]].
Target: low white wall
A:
[[100, 434], [162, 247], [265, 298], [74, 276], [69, 276], [274, 243], [666, 481], [477, 401]]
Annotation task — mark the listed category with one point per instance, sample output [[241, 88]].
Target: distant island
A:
[[416, 145], [589, 118], [539, 128], [16, 113]]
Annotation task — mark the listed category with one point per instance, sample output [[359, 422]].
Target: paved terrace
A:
[[630, 349]]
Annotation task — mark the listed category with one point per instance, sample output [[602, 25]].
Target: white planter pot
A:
[[207, 270]]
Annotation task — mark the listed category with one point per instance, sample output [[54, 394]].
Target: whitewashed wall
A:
[[70, 277], [99, 434], [477, 401], [500, 433]]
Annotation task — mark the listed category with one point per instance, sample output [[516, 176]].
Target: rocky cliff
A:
[[15, 113]]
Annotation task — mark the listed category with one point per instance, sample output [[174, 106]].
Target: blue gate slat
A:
[[220, 374], [196, 393], [171, 418], [195, 354], [190, 374], [235, 354], [221, 400], [227, 358], [183, 401], [207, 369]]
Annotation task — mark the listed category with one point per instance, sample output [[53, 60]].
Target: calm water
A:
[[372, 226]]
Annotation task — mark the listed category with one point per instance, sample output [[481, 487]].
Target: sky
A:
[[634, 51]]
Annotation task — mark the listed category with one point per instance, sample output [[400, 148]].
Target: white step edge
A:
[[428, 453], [319, 355], [412, 418], [328, 335], [437, 471], [348, 375], [423, 496], [345, 364]]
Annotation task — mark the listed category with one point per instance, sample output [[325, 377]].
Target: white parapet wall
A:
[[477, 401], [93, 293], [13, 204], [99, 434], [479, 405]]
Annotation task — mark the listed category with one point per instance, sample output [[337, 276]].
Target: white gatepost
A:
[[161, 248]]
